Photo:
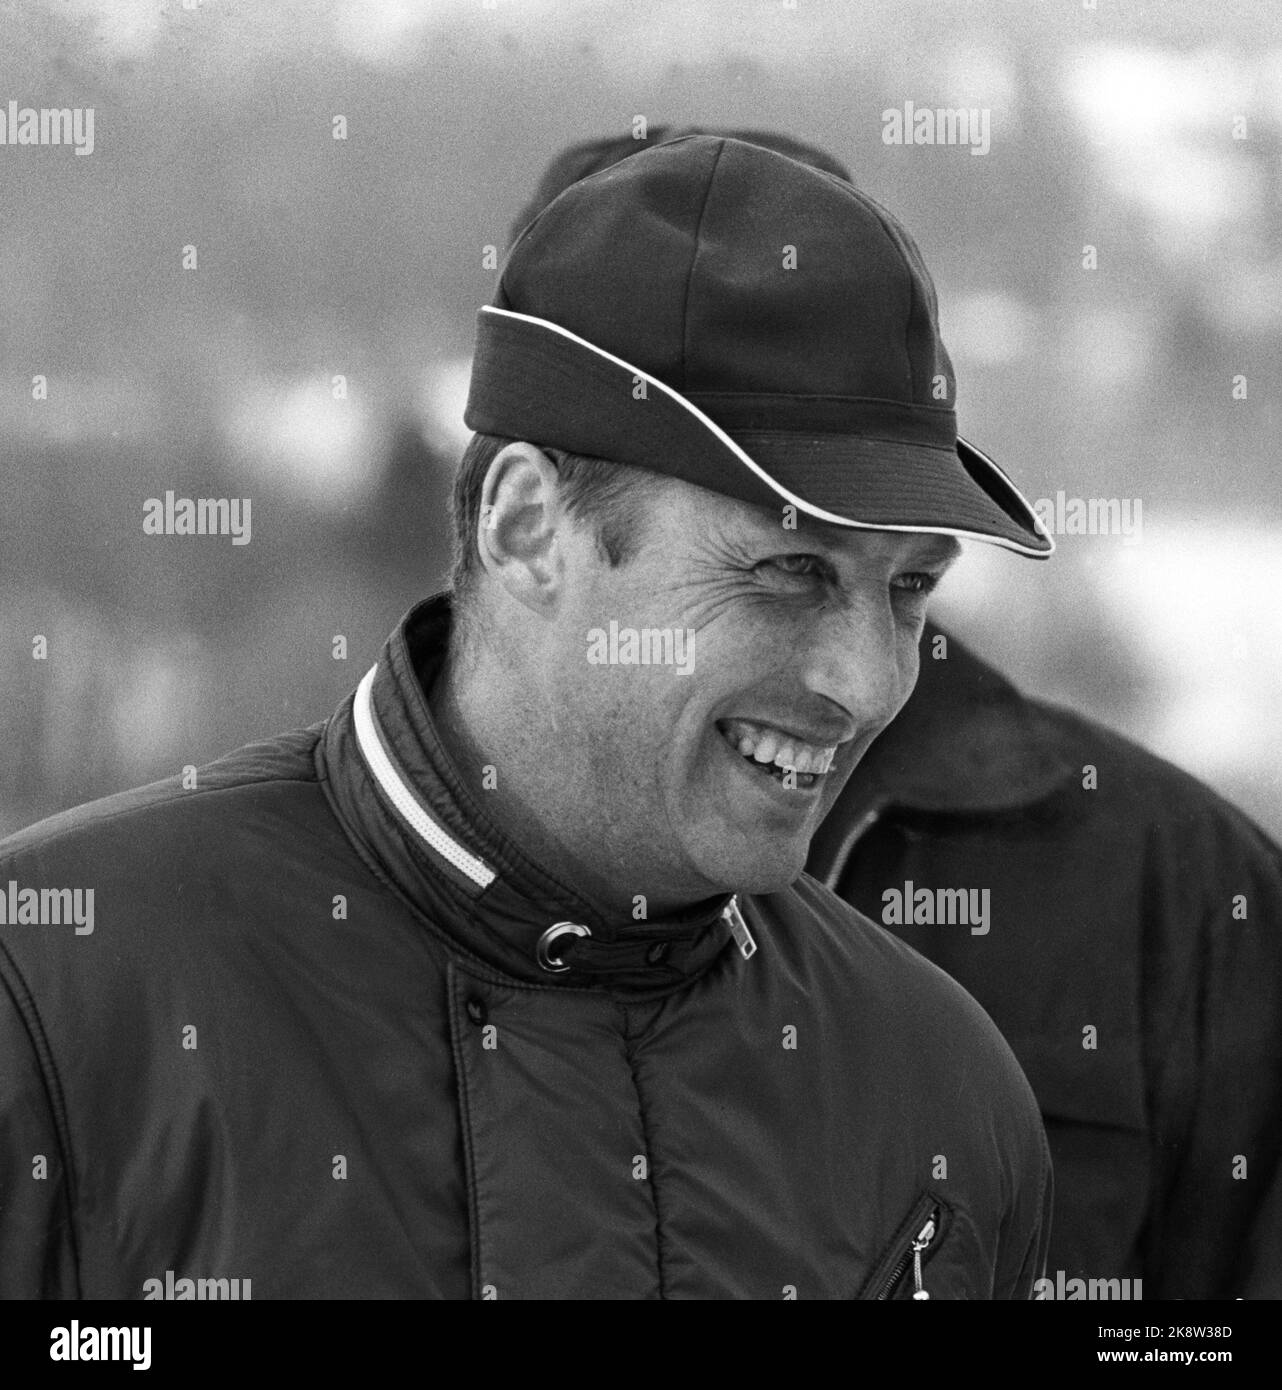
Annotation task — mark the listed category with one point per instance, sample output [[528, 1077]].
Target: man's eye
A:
[[918, 582], [798, 564]]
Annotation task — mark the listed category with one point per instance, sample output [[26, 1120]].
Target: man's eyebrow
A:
[[826, 539], [943, 550], [929, 549]]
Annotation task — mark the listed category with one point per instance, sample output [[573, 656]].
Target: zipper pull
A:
[[739, 928], [924, 1237]]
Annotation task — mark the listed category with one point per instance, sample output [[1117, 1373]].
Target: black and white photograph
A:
[[640, 654]]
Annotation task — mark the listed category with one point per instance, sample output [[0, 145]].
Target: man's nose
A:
[[859, 658]]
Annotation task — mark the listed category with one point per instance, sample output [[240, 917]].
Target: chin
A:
[[755, 871]]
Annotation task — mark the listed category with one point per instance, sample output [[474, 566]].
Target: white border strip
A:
[[799, 502], [371, 746]]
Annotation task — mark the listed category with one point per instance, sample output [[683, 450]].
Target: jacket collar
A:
[[966, 743], [405, 803]]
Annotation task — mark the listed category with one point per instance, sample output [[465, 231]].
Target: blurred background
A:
[[1148, 132]]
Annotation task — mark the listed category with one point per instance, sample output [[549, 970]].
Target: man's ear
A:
[[520, 533]]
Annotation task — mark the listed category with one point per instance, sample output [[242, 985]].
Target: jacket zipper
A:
[[920, 1244]]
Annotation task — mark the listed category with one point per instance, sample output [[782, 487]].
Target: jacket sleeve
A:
[[1026, 1237], [37, 1244], [1216, 1083]]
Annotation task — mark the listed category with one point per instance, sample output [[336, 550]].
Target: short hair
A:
[[609, 497]]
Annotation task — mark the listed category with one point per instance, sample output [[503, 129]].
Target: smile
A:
[[776, 753]]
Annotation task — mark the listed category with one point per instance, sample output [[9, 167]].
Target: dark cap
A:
[[722, 313], [586, 157]]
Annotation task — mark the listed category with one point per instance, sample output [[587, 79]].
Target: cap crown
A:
[[720, 266]]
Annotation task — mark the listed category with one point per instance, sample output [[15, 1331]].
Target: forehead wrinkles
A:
[[739, 527], [871, 543]]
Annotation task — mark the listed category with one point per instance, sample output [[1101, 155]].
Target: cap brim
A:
[[534, 380], [893, 485]]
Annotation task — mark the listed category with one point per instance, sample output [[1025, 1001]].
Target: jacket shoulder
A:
[[866, 944], [892, 985], [1156, 793], [287, 757], [1079, 733]]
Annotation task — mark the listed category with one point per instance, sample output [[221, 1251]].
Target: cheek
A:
[[745, 637], [909, 665], [662, 730], [625, 723]]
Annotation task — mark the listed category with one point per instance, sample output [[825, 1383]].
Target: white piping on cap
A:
[[799, 502], [380, 765]]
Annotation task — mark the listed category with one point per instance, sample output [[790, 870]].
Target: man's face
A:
[[799, 647]]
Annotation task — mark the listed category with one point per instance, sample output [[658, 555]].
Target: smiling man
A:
[[503, 983]]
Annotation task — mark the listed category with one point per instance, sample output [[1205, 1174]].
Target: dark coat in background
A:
[[1146, 909]]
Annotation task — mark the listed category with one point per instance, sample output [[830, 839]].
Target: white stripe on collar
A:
[[799, 502], [370, 741]]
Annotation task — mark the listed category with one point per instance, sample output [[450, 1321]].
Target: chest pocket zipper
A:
[[920, 1244], [919, 1234]]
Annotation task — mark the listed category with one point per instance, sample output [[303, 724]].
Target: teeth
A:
[[766, 745], [820, 759], [787, 755]]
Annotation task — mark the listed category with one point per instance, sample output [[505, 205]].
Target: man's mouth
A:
[[776, 753]]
